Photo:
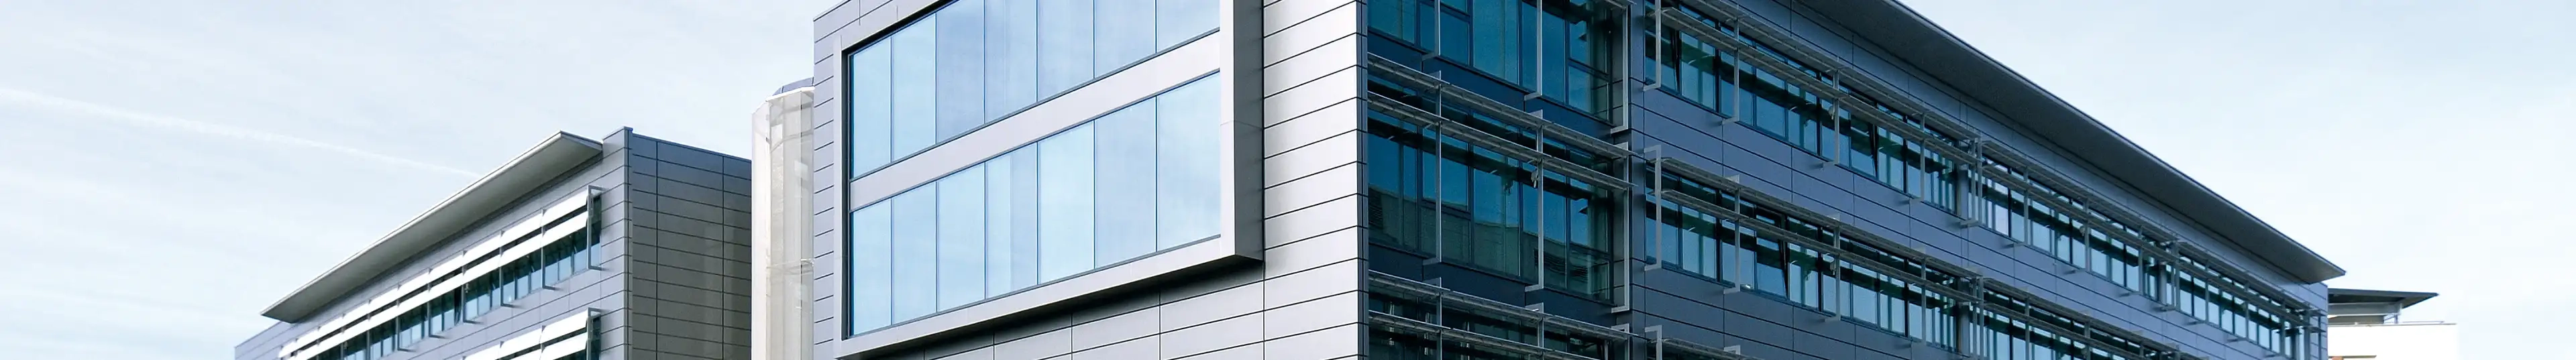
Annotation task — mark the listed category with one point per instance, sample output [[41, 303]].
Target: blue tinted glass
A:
[[1181, 20], [961, 238], [997, 225], [1024, 217], [1122, 35], [870, 106], [1064, 45], [1126, 197], [1065, 243], [1186, 126], [1010, 55], [916, 251], [915, 86], [871, 268], [961, 68]]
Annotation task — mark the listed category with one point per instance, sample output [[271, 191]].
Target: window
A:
[[1558, 50], [554, 261], [973, 62], [1136, 181]]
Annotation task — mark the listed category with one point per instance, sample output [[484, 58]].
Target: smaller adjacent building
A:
[[620, 247], [2367, 324]]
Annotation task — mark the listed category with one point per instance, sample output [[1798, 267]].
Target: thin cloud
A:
[[201, 127]]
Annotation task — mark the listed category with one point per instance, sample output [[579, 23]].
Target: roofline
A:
[[532, 169], [2405, 298], [1916, 41]]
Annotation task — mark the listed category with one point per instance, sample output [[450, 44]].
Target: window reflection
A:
[[972, 62], [1138, 180]]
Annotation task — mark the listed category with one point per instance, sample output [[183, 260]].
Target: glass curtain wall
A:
[[1138, 180], [1716, 248], [1439, 196], [972, 62], [1694, 70], [1563, 52]]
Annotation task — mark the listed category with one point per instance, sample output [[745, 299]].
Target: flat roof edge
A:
[[533, 168], [1916, 41]]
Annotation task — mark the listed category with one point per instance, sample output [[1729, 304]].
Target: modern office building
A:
[[1498, 179], [625, 247], [2365, 324]]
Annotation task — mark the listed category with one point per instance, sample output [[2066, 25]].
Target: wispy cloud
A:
[[30, 98]]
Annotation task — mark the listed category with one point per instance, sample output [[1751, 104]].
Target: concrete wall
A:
[[656, 193]]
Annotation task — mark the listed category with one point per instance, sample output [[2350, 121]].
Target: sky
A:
[[172, 168]]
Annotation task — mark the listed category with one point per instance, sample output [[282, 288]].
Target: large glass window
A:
[[1126, 183], [871, 268], [1559, 50], [1138, 180], [1442, 196], [961, 237], [972, 62]]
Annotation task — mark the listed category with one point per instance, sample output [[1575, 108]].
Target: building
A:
[[1487, 179], [2365, 325], [625, 247]]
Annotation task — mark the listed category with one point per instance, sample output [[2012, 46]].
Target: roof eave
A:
[[531, 169], [1915, 40]]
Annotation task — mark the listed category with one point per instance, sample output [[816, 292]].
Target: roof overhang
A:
[[1943, 57], [538, 166], [2401, 298]]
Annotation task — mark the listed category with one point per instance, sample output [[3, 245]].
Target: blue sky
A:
[[176, 166]]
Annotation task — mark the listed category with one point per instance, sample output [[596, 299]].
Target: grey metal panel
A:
[[1311, 315], [1043, 345], [1228, 333], [1315, 95], [1293, 134], [1115, 329], [1337, 342], [1313, 190], [1144, 348], [1312, 221], [1307, 34], [1211, 307]]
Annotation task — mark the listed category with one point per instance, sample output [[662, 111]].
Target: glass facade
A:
[[1693, 69], [1450, 183], [1434, 194], [1138, 180], [556, 261], [972, 62], [1559, 53], [1722, 248]]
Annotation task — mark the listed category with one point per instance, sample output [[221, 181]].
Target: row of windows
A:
[[1433, 193], [1696, 71], [974, 61], [521, 277], [1138, 180], [1562, 49], [2201, 299], [1402, 346], [1720, 248], [2025, 219]]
